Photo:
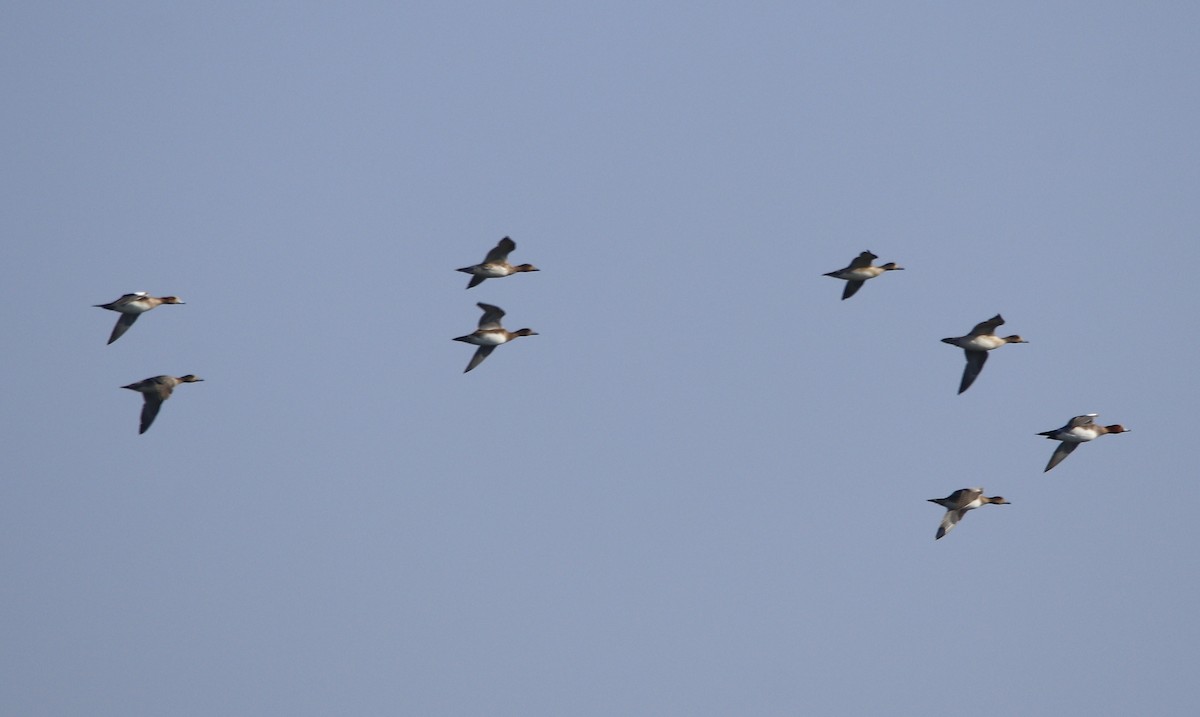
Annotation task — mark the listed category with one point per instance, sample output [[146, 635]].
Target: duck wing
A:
[[499, 254], [983, 328], [862, 261], [1060, 454], [975, 362], [480, 354], [491, 316], [948, 522], [150, 410], [851, 289], [123, 324]]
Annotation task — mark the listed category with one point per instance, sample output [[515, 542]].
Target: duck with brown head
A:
[[490, 334], [859, 271], [976, 344], [1079, 429], [155, 390], [131, 306], [495, 265], [958, 503]]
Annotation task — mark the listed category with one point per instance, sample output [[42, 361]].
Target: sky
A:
[[701, 488]]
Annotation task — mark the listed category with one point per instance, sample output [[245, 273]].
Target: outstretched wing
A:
[[499, 254], [150, 410], [948, 522], [984, 328], [851, 289], [480, 354], [491, 316], [123, 324], [863, 260], [1064, 449], [975, 362], [130, 298]]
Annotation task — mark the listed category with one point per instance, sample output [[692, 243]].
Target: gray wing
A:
[[984, 328], [480, 354], [123, 324], [150, 410], [130, 298], [975, 362], [958, 498], [966, 495], [501, 251], [1078, 421], [491, 316], [948, 522], [1064, 449], [862, 261], [851, 289]]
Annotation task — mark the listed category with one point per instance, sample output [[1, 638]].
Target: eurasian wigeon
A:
[[859, 271], [958, 503], [131, 306], [1079, 429], [154, 391], [490, 334], [495, 265], [976, 345]]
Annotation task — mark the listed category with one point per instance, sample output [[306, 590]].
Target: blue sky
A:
[[700, 490]]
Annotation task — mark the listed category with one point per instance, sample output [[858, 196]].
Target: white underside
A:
[[490, 339], [982, 343], [491, 271]]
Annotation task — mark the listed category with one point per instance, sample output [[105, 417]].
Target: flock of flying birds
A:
[[490, 334], [976, 345]]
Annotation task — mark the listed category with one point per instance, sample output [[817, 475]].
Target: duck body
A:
[[958, 503], [976, 344], [1079, 429], [155, 390], [495, 265], [490, 334], [492, 337], [131, 306], [859, 271]]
